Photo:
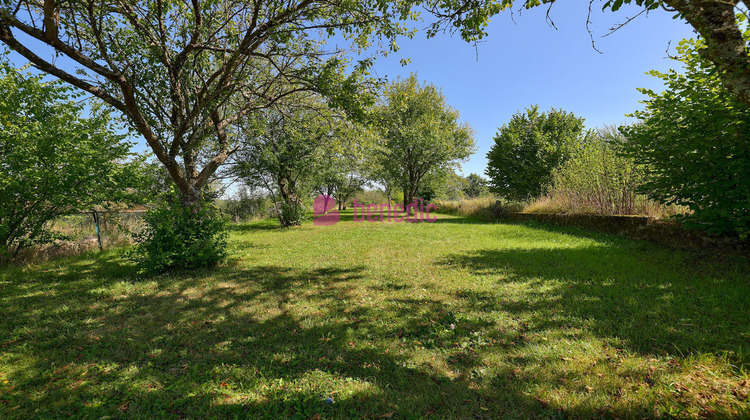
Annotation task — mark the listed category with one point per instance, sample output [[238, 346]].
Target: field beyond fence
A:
[[80, 234]]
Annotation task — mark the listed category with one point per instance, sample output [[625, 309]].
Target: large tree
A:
[[528, 149], [183, 72], [420, 132]]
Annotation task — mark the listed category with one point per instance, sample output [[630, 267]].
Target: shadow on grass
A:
[[620, 292], [224, 344], [258, 226], [460, 220], [89, 340]]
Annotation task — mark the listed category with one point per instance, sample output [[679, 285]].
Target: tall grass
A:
[[572, 203], [482, 208], [79, 230]]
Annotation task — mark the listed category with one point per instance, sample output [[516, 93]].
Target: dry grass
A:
[[569, 204], [80, 233], [485, 208], [479, 208]]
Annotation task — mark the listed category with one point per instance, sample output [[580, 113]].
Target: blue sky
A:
[[528, 62]]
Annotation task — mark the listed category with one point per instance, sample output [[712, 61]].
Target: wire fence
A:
[[101, 230], [87, 231], [106, 227]]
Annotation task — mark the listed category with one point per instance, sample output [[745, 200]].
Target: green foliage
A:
[[475, 186], [246, 205], [176, 236], [368, 196], [283, 154], [529, 148], [421, 134], [693, 140], [442, 183], [291, 213], [345, 163], [53, 162], [186, 73], [597, 179]]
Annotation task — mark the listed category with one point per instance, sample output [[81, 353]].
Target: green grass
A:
[[446, 320]]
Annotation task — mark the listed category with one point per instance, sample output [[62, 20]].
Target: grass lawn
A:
[[454, 319]]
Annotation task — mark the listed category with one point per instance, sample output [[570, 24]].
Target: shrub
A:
[[175, 236], [693, 140], [597, 180], [54, 162], [246, 205], [291, 214]]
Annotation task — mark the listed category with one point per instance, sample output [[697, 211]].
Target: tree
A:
[[382, 176], [246, 203], [340, 175], [53, 162], [346, 161], [420, 132], [693, 141], [442, 183], [476, 186], [282, 151], [715, 20], [528, 149], [183, 73]]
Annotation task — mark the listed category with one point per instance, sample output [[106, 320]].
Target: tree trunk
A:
[[192, 198]]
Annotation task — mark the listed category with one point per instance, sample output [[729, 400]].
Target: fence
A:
[[87, 231]]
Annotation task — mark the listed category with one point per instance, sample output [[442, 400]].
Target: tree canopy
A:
[[528, 149], [693, 142], [183, 73], [420, 133]]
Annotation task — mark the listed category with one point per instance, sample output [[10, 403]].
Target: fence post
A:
[[96, 223]]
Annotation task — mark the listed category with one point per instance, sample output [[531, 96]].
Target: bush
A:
[[693, 140], [528, 149], [291, 214], [597, 180], [174, 236], [246, 205], [54, 162]]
